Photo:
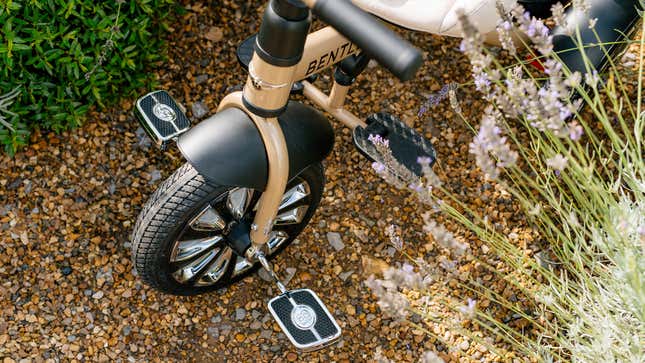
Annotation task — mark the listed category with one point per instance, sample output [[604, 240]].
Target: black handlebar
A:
[[374, 38]]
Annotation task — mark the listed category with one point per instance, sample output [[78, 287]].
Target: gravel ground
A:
[[68, 203]]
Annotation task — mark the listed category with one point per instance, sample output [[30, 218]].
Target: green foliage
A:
[[67, 55]]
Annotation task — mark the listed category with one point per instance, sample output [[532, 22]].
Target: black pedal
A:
[[406, 144], [304, 319], [162, 118], [244, 54]]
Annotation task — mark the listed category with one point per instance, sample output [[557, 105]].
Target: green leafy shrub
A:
[[63, 56]]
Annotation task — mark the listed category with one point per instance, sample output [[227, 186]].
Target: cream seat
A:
[[434, 16]]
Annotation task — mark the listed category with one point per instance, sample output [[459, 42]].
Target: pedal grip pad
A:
[[304, 319], [406, 144], [161, 117]]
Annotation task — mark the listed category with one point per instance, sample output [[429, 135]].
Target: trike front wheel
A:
[[178, 242]]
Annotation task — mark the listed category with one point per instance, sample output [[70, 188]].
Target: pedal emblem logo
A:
[[303, 317], [164, 112]]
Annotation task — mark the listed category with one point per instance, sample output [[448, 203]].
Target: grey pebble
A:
[[264, 275], [343, 276], [335, 240], [155, 175], [266, 334], [201, 78], [213, 331], [291, 272], [256, 325], [199, 109], [240, 314]]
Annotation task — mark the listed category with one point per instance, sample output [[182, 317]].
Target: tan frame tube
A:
[[269, 87]]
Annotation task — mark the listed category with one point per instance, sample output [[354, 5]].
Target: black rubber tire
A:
[[177, 200]]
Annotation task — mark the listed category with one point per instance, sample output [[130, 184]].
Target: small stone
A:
[[337, 270], [240, 314], [154, 176], [464, 345], [97, 295], [291, 357], [266, 334], [240, 337], [345, 275], [391, 251], [199, 109], [335, 240], [370, 317], [214, 34], [66, 270], [256, 325], [291, 272], [351, 310], [201, 78], [264, 275], [213, 331]]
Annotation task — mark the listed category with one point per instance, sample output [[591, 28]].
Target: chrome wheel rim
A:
[[200, 256]]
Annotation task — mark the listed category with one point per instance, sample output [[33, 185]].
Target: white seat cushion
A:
[[434, 16]]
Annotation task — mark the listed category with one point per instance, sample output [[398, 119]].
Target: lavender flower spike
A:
[[470, 309], [557, 163], [489, 144]]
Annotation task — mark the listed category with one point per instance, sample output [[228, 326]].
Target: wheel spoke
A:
[[191, 249], [217, 268], [295, 194], [192, 269], [208, 220], [276, 240], [293, 216], [238, 201], [241, 265]]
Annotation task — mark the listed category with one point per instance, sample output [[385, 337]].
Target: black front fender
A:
[[227, 148]]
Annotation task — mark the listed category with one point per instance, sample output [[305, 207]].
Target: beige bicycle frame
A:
[[268, 87]]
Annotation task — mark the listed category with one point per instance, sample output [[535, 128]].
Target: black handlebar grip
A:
[[374, 38]]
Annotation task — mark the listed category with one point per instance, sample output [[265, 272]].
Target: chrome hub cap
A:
[[200, 255]]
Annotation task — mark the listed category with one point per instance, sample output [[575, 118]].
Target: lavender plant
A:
[[578, 179]]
